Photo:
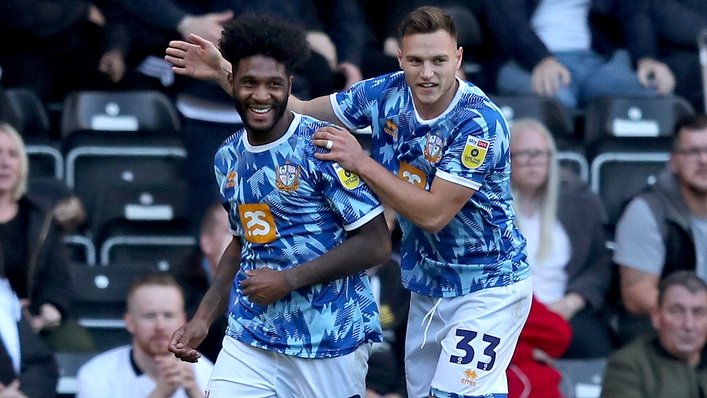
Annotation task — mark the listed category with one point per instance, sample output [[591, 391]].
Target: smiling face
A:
[[430, 62], [260, 88]]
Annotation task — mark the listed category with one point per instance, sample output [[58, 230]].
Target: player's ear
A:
[[230, 81]]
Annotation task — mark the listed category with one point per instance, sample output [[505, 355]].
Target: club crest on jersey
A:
[[433, 148], [287, 178], [474, 152], [348, 179], [391, 128], [231, 179]]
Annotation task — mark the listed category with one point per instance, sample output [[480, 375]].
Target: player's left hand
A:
[[264, 286], [345, 148]]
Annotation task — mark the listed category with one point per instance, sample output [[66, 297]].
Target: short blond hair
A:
[[21, 187]]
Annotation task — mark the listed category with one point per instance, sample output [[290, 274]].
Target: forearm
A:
[[368, 247], [427, 210], [215, 300], [319, 108]]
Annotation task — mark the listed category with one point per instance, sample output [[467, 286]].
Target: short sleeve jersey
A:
[[288, 208], [468, 144]]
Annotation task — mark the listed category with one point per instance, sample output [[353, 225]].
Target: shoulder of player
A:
[[232, 140]]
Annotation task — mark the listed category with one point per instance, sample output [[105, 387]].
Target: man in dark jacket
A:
[[672, 363]]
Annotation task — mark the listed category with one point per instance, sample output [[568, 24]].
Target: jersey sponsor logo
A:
[[287, 177], [231, 179], [412, 175], [469, 377], [258, 222], [433, 148], [348, 179], [391, 128], [474, 152]]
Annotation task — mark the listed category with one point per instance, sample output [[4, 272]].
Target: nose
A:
[[261, 93], [427, 71]]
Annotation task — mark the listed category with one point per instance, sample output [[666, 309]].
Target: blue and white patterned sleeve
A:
[[349, 196], [356, 106], [478, 146]]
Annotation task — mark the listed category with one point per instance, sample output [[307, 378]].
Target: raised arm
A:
[[185, 340], [366, 247]]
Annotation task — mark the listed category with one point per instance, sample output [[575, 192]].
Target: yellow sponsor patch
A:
[[412, 175], [258, 222], [474, 152], [348, 179]]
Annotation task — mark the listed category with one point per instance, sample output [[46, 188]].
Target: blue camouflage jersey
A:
[[288, 208], [468, 144]]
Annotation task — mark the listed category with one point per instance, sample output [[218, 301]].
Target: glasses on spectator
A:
[[534, 156], [691, 153]]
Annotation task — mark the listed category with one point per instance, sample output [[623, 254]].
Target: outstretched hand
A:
[[264, 286], [185, 340], [199, 59], [345, 148]]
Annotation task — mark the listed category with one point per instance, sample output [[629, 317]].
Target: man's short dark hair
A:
[[426, 19], [688, 122], [687, 279], [251, 34]]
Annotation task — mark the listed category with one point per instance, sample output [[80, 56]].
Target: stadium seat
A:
[[23, 109], [581, 378], [556, 118], [121, 148], [629, 143]]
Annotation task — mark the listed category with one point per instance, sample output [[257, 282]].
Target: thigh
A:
[[481, 335], [243, 371], [339, 377], [422, 344], [615, 77]]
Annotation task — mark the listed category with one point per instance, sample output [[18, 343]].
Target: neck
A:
[[8, 208], [695, 201], [146, 362], [277, 131], [431, 111], [527, 202]]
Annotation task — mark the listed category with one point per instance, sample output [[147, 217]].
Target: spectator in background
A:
[[32, 255], [27, 365], [563, 223], [664, 229], [678, 24], [198, 271], [545, 336], [672, 363], [57, 46], [572, 50], [155, 309]]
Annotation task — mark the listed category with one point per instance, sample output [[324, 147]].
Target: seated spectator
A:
[[27, 365], [570, 50], [386, 365], [563, 222], [678, 24], [664, 229], [33, 256], [670, 364], [545, 336], [59, 46], [196, 274], [155, 309]]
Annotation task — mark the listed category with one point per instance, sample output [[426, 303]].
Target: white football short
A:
[[461, 346], [245, 371]]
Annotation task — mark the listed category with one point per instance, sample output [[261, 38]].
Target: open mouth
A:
[[427, 85], [260, 110]]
